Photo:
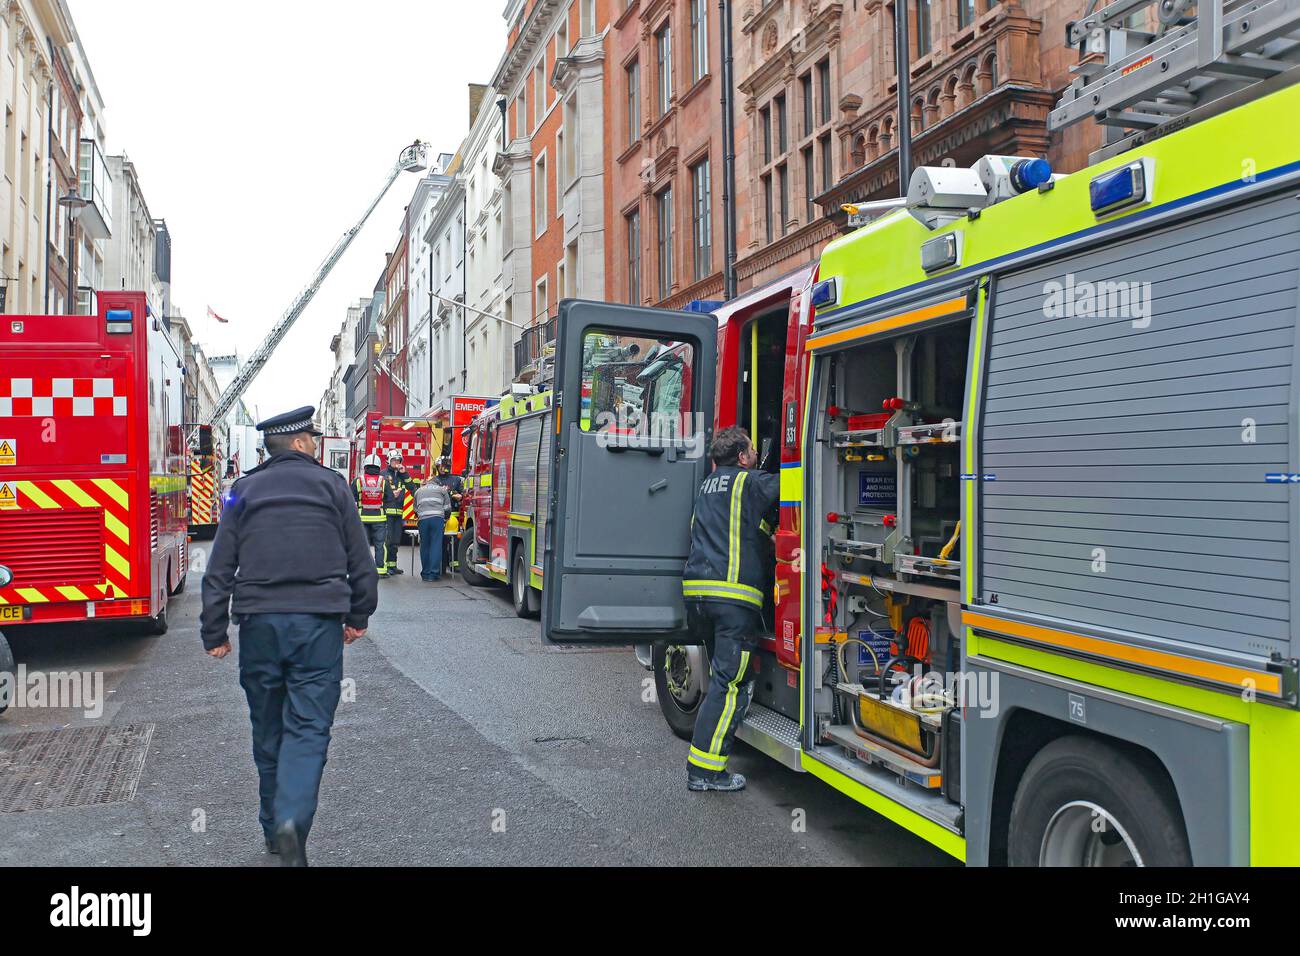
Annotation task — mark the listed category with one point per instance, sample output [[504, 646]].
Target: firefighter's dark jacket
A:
[[290, 540], [729, 552], [399, 483]]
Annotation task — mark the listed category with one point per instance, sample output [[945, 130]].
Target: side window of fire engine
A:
[[633, 385]]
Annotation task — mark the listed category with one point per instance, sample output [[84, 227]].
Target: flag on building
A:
[[213, 315]]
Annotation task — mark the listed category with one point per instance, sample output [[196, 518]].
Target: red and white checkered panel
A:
[[412, 451], [55, 397]]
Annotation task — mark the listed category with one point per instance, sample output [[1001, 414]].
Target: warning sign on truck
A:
[[8, 497], [8, 451]]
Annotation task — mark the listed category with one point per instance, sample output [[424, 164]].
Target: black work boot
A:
[[293, 849], [699, 781]]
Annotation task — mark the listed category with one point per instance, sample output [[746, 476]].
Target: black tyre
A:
[[6, 667], [1085, 802], [681, 680], [465, 557], [521, 591], [157, 626]]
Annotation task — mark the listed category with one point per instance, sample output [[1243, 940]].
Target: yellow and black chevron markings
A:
[[202, 498], [109, 496]]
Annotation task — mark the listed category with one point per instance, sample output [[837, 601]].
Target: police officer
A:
[[372, 492], [723, 584], [291, 553], [399, 483]]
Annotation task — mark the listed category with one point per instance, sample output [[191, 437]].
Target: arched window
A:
[[918, 115], [988, 74], [887, 134], [931, 114], [948, 102], [858, 152], [966, 88], [873, 142]]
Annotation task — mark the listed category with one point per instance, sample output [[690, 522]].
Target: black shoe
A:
[[722, 781], [271, 848], [293, 850], [392, 571]]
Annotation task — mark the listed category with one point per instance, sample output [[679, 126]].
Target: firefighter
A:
[[399, 483], [290, 561], [371, 493], [723, 585]]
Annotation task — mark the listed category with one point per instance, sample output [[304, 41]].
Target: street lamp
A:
[[74, 202]]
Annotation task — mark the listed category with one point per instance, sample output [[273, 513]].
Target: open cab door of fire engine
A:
[[634, 417]]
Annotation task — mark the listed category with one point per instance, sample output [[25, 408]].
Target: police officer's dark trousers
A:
[[291, 667], [731, 681]]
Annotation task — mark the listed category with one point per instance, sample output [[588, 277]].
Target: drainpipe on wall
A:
[[728, 157], [904, 126]]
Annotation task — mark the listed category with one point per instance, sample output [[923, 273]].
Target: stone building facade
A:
[[665, 218]]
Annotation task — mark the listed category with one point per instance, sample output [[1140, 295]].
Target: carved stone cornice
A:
[[586, 59], [784, 61], [533, 34]]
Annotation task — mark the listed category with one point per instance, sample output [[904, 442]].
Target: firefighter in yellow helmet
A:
[[372, 492]]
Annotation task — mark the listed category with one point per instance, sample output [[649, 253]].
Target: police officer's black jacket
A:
[[729, 553], [289, 540]]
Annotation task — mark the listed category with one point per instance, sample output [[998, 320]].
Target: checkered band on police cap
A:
[[290, 423]]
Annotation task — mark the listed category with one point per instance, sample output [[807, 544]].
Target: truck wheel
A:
[[157, 626], [681, 680], [521, 588], [6, 667], [464, 556], [1083, 802]]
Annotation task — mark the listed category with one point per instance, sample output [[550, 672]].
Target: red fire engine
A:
[[93, 467], [419, 441]]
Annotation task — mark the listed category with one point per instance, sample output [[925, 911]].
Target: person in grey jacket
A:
[[292, 562], [432, 505]]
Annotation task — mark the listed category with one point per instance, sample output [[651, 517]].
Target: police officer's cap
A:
[[291, 423]]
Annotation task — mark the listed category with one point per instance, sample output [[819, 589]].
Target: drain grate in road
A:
[[74, 767], [585, 649]]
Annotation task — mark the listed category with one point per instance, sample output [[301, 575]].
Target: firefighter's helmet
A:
[[395, 456], [372, 461]]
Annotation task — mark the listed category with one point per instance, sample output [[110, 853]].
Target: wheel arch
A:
[[1203, 760]]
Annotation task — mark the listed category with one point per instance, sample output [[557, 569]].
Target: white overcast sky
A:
[[261, 131]]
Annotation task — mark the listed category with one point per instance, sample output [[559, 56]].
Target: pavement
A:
[[462, 738]]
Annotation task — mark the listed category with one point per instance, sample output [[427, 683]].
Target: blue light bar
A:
[[1030, 174], [825, 293], [118, 315], [1118, 189]]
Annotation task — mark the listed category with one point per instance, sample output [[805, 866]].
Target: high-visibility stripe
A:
[[117, 528], [76, 494], [901, 320], [32, 595], [72, 594], [733, 528], [36, 496], [729, 708], [112, 489], [723, 589], [1235, 677], [707, 761], [791, 483], [117, 562]]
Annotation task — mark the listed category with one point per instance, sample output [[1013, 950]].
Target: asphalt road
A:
[[462, 739]]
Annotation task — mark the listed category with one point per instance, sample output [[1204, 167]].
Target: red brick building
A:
[[395, 326], [665, 219], [817, 107], [553, 82]]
